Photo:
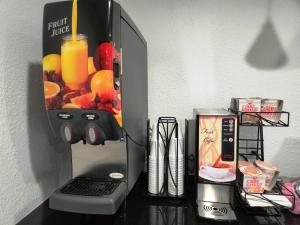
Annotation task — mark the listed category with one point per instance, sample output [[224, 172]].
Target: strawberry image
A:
[[105, 56]]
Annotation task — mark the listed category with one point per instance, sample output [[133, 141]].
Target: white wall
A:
[[197, 58], [32, 163]]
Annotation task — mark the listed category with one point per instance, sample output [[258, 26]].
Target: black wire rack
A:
[[167, 127], [250, 148], [273, 209], [267, 119], [251, 143]]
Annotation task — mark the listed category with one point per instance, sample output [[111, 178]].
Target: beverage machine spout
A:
[[96, 92]]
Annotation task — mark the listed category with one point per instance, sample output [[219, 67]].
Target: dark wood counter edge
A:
[[43, 213], [38, 215]]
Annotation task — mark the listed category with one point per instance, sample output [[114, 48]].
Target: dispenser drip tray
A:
[[216, 211], [90, 187]]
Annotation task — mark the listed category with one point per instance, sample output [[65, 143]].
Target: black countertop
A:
[[141, 210]]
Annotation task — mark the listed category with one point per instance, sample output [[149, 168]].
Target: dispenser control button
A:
[[67, 133], [228, 142], [64, 115], [92, 134]]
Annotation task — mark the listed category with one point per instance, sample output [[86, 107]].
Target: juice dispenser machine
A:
[[96, 92], [216, 152]]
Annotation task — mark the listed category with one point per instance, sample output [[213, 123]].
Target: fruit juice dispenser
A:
[[95, 84], [216, 152]]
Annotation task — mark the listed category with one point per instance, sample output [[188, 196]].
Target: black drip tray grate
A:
[[90, 187]]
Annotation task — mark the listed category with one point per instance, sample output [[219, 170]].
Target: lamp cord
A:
[[132, 139]]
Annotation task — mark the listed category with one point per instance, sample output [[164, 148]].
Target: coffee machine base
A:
[[214, 201], [89, 196]]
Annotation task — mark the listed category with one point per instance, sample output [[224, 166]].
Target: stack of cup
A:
[[156, 164], [176, 165]]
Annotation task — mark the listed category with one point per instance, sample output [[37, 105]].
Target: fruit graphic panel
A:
[[81, 58], [76, 80]]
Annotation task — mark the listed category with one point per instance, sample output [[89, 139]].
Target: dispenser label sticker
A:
[[90, 116], [81, 61], [215, 147], [64, 116]]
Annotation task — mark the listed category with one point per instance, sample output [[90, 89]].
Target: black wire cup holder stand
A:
[[167, 127]]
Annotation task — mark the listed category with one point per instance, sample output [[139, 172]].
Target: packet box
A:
[[251, 179], [269, 171], [247, 105]]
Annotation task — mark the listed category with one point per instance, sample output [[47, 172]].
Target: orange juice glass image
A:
[[74, 61]]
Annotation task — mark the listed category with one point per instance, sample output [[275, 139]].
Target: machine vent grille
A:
[[90, 187]]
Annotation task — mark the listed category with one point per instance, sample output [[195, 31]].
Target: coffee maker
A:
[[96, 96], [216, 153]]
